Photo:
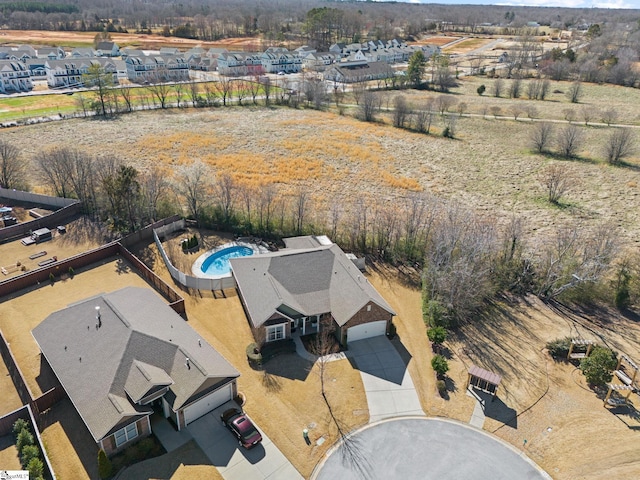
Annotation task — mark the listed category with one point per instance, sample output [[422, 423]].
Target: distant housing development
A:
[[356, 62]]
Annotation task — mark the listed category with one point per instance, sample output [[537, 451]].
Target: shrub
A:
[[442, 387], [24, 438], [392, 330], [71, 271], [447, 133], [439, 365], [435, 314], [437, 335], [104, 465], [253, 355], [145, 446], [481, 89], [36, 468], [598, 367], [19, 425], [27, 453], [52, 278], [559, 348]]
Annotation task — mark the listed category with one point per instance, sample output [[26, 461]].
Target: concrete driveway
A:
[[387, 383], [427, 448], [264, 461]]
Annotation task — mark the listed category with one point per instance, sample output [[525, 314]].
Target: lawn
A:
[[9, 457]]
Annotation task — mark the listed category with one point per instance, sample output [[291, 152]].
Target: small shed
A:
[[483, 380], [42, 235]]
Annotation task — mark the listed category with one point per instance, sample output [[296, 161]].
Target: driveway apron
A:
[[387, 383]]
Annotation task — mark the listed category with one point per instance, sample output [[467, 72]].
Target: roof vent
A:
[[199, 343], [188, 364]]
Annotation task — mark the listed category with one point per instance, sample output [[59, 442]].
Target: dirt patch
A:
[[10, 398]]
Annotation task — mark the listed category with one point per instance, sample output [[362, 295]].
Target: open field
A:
[[489, 166]]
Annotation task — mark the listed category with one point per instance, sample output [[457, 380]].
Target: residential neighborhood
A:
[[65, 69]]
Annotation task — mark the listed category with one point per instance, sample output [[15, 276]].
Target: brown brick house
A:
[[123, 355], [305, 287]]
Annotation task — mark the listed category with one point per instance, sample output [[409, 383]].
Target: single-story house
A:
[[124, 355], [306, 287]]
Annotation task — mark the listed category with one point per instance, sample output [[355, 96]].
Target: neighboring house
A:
[[131, 52], [169, 51], [317, 62], [121, 68], [37, 68], [276, 60], [157, 68], [83, 52], [107, 49], [128, 358], [69, 72], [24, 52], [232, 64], [50, 53], [345, 73], [14, 77], [337, 49], [311, 285]]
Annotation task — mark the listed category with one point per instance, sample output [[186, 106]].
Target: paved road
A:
[[427, 448], [387, 383], [264, 461]]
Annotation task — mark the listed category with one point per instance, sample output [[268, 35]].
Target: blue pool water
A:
[[218, 262]]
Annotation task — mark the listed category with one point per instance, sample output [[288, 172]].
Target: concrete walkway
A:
[[169, 437], [387, 383], [478, 416]]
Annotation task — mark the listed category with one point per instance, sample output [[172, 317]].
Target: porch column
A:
[[304, 325]]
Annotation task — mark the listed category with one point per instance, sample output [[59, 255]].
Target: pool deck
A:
[[196, 268]]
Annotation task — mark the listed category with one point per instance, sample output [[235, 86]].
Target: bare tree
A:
[[194, 93], [210, 94], [557, 180], [13, 167], [444, 102], [569, 140], [154, 185], [569, 114], [301, 208], [126, 94], [266, 195], [575, 92], [516, 111], [532, 111], [241, 90], [54, 169], [401, 111], [609, 116], [575, 257], [357, 91], [462, 108], [224, 87], [423, 117], [619, 145], [368, 107], [498, 86], [266, 90], [541, 136], [495, 111], [515, 87], [225, 191], [253, 87], [192, 184], [180, 89], [588, 114], [159, 87]]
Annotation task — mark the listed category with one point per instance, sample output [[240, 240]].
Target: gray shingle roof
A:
[[141, 344], [310, 281]]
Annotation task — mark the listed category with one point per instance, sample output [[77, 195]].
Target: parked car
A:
[[240, 425]]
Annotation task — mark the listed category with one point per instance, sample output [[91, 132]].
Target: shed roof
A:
[[486, 375]]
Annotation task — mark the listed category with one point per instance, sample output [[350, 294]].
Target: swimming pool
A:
[[218, 262]]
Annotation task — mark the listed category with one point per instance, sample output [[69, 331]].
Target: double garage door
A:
[[366, 330], [206, 404]]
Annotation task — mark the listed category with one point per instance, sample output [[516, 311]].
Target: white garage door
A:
[[367, 330], [206, 404]]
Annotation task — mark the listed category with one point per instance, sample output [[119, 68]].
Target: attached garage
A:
[[367, 330], [208, 403]]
